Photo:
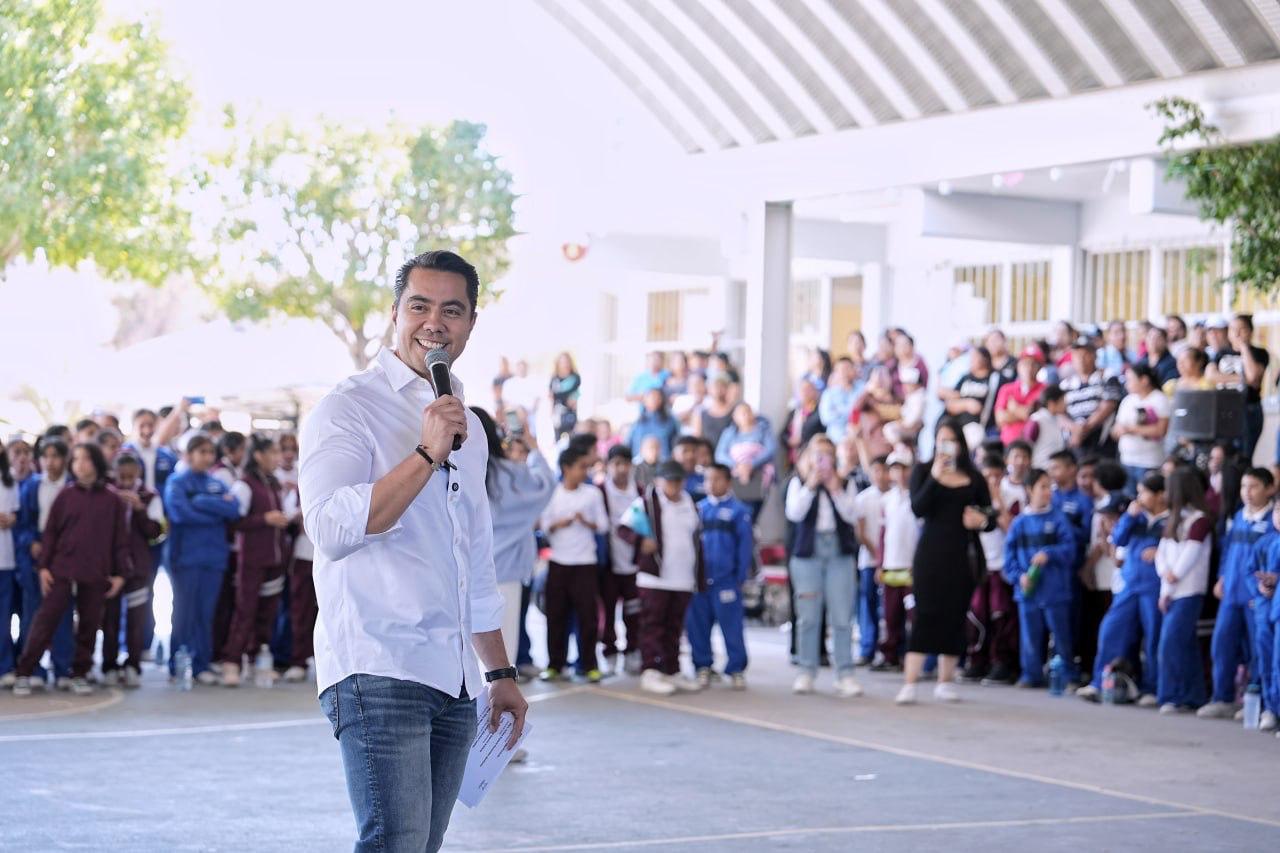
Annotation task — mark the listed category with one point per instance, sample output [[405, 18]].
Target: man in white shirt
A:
[[404, 571]]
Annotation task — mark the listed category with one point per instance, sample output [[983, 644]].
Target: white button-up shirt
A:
[[405, 602]]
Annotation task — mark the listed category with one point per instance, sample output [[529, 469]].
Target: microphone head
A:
[[439, 355]]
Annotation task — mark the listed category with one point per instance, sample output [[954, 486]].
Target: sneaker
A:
[[528, 671], [1071, 688], [550, 675], [1000, 676], [704, 677], [632, 663], [295, 674], [1023, 684], [131, 677], [111, 678], [207, 677], [652, 681], [595, 676], [62, 682], [738, 681], [8, 679], [906, 696], [1216, 711], [1089, 693], [1239, 715], [520, 756], [862, 660], [803, 683], [609, 663], [1168, 709], [21, 685], [1267, 723], [683, 684], [946, 692], [80, 686], [1147, 700], [847, 687], [973, 673], [230, 674], [886, 666]]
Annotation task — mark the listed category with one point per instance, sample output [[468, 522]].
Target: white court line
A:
[[114, 697], [218, 729], [851, 830], [928, 756]]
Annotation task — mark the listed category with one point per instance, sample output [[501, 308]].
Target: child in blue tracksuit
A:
[[1266, 566], [1234, 630], [1135, 605], [1040, 561], [199, 507], [727, 552]]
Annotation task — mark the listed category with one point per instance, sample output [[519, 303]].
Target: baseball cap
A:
[[1082, 342], [899, 457], [1032, 352], [1218, 323], [1112, 502]]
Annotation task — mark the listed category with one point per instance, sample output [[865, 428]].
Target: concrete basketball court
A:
[[614, 769]]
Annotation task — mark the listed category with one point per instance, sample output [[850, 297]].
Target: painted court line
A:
[[927, 756], [853, 830], [218, 729], [114, 697]]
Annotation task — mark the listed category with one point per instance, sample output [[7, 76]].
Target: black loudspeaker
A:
[[1207, 415]]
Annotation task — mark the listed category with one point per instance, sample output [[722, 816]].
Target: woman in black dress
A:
[[951, 497]]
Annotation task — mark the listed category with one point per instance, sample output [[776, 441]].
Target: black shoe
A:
[[886, 666], [862, 661], [973, 673], [1000, 675]]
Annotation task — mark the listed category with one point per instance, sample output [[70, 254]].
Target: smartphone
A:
[[196, 401], [948, 449], [825, 465]]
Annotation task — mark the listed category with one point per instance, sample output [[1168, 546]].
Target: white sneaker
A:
[[1267, 723], [683, 684], [207, 678], [1089, 693], [704, 677], [8, 679], [946, 692], [906, 696], [111, 678], [131, 678], [21, 686], [632, 664], [739, 681], [652, 681], [81, 687], [1238, 716], [230, 674], [803, 683], [847, 687], [295, 674], [62, 682], [1147, 700], [1169, 709], [1216, 711]]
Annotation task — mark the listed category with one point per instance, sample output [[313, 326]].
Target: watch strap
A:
[[498, 674]]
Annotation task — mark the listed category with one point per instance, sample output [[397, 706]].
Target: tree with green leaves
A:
[[315, 223], [1234, 185], [90, 114]]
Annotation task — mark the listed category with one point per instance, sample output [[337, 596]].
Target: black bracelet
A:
[[498, 674], [422, 451]]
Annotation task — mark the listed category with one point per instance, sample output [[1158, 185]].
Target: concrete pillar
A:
[[766, 384]]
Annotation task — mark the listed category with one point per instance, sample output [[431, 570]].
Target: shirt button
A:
[[455, 487]]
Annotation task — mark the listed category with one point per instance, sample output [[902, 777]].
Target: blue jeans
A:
[[826, 577], [1232, 645], [404, 749], [1181, 673], [868, 612]]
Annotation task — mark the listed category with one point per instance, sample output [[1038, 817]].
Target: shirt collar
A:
[[1257, 516], [400, 375]]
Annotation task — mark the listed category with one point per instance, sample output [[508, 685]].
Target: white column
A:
[[765, 380]]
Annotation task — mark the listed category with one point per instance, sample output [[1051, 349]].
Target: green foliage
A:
[[1234, 185], [89, 112], [315, 223]]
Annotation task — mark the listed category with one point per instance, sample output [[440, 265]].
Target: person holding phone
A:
[[951, 497]]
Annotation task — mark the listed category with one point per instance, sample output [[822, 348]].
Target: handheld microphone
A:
[[438, 367]]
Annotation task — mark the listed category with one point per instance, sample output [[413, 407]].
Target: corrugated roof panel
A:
[[1173, 29], [909, 77], [1002, 55], [1247, 32], [1111, 38], [1066, 61], [974, 91]]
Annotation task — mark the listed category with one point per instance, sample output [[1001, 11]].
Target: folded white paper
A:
[[489, 754]]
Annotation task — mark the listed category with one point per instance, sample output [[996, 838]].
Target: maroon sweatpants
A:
[[136, 597], [572, 589], [993, 624], [226, 606], [661, 623], [897, 621], [302, 611], [254, 613], [613, 588], [90, 599]]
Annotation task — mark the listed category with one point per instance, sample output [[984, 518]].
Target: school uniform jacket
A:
[[1135, 534], [85, 538], [199, 513], [1032, 532], [727, 548], [259, 544], [1236, 565]]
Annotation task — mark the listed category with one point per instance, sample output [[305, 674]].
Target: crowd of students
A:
[[1053, 526]]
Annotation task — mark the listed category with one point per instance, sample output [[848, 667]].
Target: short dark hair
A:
[[1262, 475], [1066, 457], [1018, 444], [1034, 476], [688, 440], [97, 457], [569, 456], [720, 468], [127, 458], [619, 451], [1090, 460], [85, 423], [880, 460], [230, 442], [1153, 482], [198, 441], [106, 435], [1110, 475], [1052, 394], [992, 462], [142, 413], [442, 261], [1247, 319], [582, 441], [1142, 370], [57, 445]]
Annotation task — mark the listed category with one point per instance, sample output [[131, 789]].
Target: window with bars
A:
[[1191, 281], [664, 316], [985, 280], [1030, 283], [1116, 286], [806, 307]]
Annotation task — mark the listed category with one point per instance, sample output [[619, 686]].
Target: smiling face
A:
[[433, 312]]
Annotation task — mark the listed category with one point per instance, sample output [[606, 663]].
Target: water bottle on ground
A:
[[264, 668], [1108, 685], [160, 659], [182, 669], [1252, 707], [1057, 676]]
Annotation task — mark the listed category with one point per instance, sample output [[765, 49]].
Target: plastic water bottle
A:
[[1057, 676], [182, 669], [264, 668], [160, 658], [1252, 707], [1108, 685]]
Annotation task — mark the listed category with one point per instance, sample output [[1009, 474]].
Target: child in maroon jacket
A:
[[85, 547], [144, 518], [260, 557]]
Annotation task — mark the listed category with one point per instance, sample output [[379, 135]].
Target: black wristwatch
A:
[[497, 674]]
